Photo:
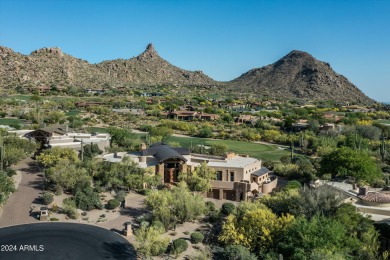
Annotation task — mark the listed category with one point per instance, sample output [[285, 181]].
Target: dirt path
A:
[[134, 208], [17, 209]]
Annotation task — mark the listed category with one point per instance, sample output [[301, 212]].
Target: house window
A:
[[219, 175], [231, 176]]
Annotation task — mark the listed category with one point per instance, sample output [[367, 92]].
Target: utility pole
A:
[[82, 150], [1, 153]]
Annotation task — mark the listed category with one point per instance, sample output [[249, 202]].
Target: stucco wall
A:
[[268, 187]]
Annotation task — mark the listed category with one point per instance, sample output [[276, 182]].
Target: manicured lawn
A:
[[97, 129], [17, 97], [73, 112], [383, 121], [259, 151], [10, 121]]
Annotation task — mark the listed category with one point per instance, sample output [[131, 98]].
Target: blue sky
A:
[[222, 38]]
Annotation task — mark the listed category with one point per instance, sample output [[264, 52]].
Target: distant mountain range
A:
[[296, 75]]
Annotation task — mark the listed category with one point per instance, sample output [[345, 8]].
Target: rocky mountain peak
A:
[[4, 49], [298, 54], [149, 53], [150, 47], [51, 50], [300, 75]]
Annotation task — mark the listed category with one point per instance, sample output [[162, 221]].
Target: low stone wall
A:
[[378, 211], [375, 204]]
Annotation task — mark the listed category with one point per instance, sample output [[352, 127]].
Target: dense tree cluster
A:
[[175, 206], [300, 223]]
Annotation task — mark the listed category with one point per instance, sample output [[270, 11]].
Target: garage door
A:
[[213, 194], [229, 195]]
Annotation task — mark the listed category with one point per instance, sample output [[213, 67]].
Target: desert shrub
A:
[[54, 219], [202, 254], [214, 216], [379, 183], [47, 198], [10, 172], [149, 241], [210, 206], [196, 237], [54, 208], [186, 232], [228, 208], [120, 195], [158, 224], [87, 199], [144, 224], [237, 252], [71, 212], [292, 185], [112, 204], [69, 202], [179, 245], [144, 217]]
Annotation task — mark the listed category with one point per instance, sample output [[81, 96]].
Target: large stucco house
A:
[[237, 176]]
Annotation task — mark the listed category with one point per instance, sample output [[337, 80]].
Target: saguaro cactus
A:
[[383, 148]]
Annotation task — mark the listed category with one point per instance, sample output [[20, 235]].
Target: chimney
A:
[[143, 146], [229, 155], [363, 190]]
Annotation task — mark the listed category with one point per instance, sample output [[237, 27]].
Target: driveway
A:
[[62, 241], [17, 209]]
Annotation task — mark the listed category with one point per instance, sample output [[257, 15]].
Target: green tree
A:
[[51, 157], [7, 186], [16, 149], [238, 252], [55, 117], [255, 227], [304, 202], [218, 149], [149, 241], [177, 205], [205, 131], [307, 238], [162, 133], [124, 139], [359, 228], [68, 176], [47, 198], [91, 150], [87, 199], [200, 179], [346, 162]]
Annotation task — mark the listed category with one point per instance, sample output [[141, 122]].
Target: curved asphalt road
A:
[[62, 241]]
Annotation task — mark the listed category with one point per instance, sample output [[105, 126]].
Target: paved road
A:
[[62, 241], [17, 209]]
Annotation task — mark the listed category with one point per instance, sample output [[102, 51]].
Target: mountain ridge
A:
[[296, 75]]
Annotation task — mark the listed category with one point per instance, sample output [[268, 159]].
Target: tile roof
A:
[[376, 197]]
